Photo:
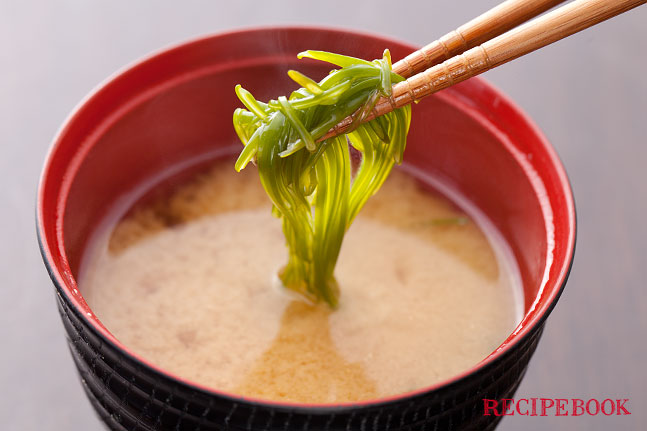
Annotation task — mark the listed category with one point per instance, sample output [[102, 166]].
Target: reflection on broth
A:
[[189, 283]]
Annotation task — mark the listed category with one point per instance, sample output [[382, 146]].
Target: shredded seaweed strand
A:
[[309, 182]]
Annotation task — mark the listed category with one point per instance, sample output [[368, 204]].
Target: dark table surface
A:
[[587, 93]]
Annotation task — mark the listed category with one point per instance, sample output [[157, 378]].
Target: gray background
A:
[[587, 93]]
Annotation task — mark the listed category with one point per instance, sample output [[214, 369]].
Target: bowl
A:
[[171, 113]]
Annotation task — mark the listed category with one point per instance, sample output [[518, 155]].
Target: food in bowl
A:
[[194, 283]]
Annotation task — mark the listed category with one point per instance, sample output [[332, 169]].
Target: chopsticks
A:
[[470, 50], [492, 23]]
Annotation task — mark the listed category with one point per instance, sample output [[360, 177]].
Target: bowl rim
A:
[[65, 285]]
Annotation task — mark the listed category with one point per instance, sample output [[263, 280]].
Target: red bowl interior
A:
[[175, 107]]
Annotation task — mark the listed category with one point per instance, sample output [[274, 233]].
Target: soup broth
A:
[[189, 282]]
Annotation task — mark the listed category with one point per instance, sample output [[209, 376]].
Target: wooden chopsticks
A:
[[492, 23], [470, 50]]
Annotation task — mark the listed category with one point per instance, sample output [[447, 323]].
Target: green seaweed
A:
[[310, 182]]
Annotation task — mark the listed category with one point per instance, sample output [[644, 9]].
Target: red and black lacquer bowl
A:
[[175, 107]]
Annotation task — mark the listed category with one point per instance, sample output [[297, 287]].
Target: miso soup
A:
[[189, 282]]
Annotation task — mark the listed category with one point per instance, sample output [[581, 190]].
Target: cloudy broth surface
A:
[[189, 282]]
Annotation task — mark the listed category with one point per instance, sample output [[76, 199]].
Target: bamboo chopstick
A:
[[551, 27], [492, 23]]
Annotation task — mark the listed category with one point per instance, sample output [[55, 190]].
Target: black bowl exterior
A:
[[129, 395]]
